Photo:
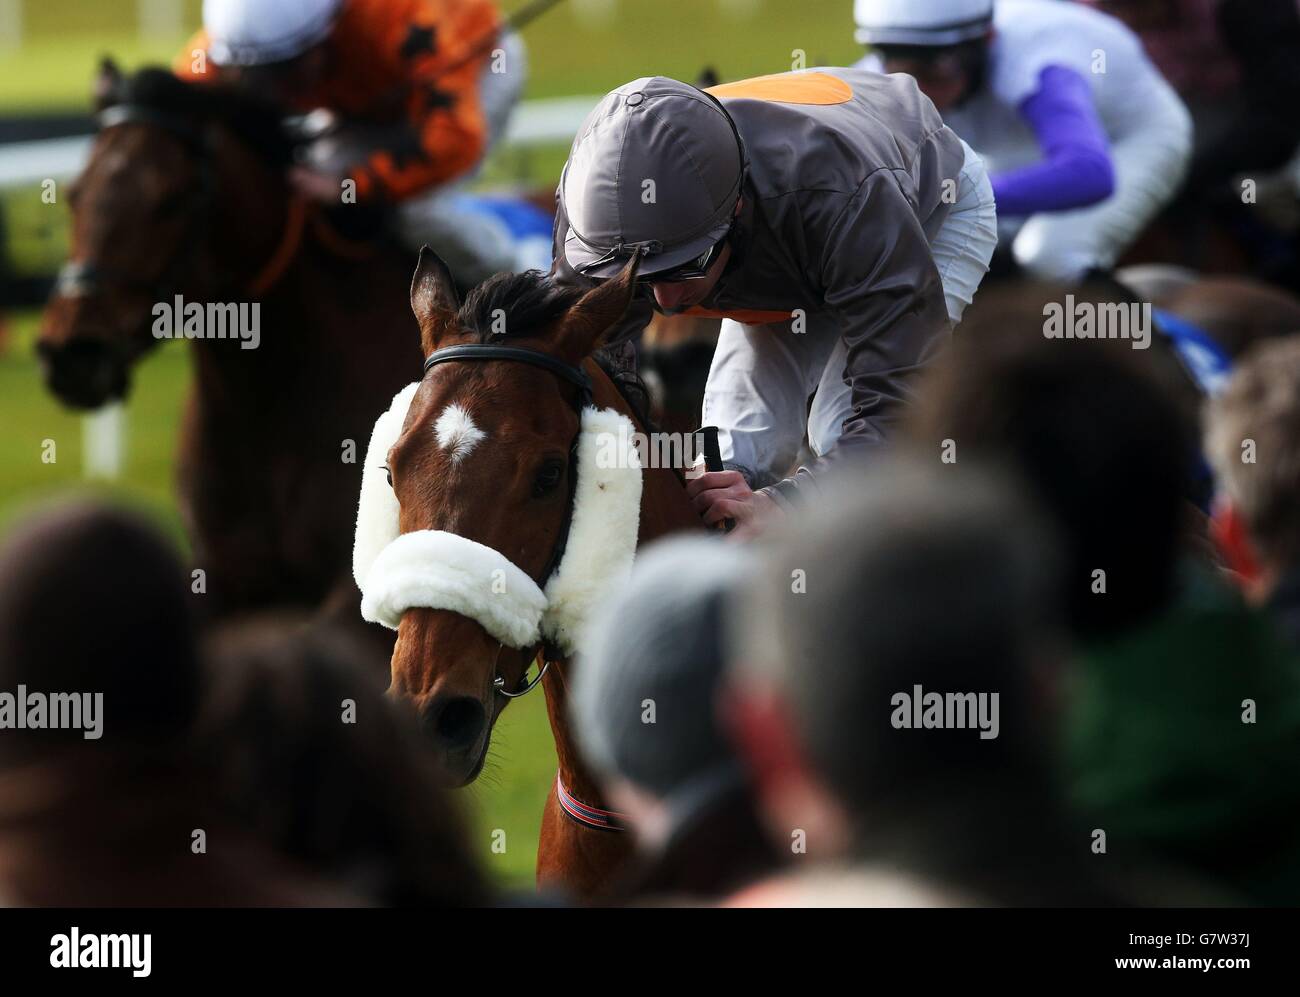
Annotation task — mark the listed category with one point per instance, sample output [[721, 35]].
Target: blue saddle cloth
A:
[[1204, 359], [1210, 367], [520, 218]]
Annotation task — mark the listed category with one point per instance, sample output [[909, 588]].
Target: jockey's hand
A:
[[719, 495], [316, 186]]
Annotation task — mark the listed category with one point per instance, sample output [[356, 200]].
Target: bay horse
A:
[[185, 194], [485, 472]]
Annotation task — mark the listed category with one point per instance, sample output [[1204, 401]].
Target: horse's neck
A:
[[271, 264], [256, 235], [246, 240], [664, 509]]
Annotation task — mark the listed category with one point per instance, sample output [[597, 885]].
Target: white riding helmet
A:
[[921, 22], [257, 32]]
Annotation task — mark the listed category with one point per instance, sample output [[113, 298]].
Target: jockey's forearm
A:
[[1076, 169], [445, 151]]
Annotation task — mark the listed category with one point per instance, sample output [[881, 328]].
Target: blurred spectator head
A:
[[645, 708], [1093, 429], [919, 579], [314, 759], [94, 600], [1253, 440]]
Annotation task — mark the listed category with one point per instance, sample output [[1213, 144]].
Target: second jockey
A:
[[421, 89], [1084, 140]]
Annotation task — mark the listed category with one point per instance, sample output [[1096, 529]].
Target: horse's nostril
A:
[[456, 724], [84, 372]]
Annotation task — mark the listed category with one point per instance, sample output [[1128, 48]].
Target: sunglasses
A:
[[922, 62], [695, 269]]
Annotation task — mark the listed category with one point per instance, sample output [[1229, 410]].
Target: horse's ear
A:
[[586, 324], [107, 88], [708, 77], [433, 298]]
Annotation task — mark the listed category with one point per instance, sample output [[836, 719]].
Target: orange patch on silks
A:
[[745, 316], [788, 88]]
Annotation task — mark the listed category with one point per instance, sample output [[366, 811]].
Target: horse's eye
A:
[[548, 476], [388, 471]]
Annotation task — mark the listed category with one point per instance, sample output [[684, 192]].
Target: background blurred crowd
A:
[[1041, 534], [1233, 64], [1056, 526]]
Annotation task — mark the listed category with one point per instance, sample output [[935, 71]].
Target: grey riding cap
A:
[[658, 166]]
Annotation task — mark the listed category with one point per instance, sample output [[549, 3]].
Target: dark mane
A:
[[254, 120], [531, 301], [520, 304]]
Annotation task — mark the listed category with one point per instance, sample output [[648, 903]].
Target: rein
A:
[[284, 253]]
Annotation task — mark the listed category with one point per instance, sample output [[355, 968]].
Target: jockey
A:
[[421, 89], [1084, 139], [828, 216]]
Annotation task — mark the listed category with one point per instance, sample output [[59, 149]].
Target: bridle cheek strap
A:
[[433, 569]]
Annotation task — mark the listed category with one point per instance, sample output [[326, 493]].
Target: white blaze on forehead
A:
[[456, 432]]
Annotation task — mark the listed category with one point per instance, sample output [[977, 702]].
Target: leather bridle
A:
[[576, 376], [78, 278], [582, 813]]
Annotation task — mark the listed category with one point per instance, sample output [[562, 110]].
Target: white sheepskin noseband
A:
[[438, 570]]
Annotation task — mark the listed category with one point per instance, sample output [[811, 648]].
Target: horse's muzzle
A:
[[83, 373], [457, 726]]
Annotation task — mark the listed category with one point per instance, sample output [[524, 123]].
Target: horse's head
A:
[[144, 213], [482, 471]]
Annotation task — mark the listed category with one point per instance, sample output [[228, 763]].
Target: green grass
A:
[[510, 793], [53, 69], [55, 74], [567, 53], [29, 416], [36, 233]]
